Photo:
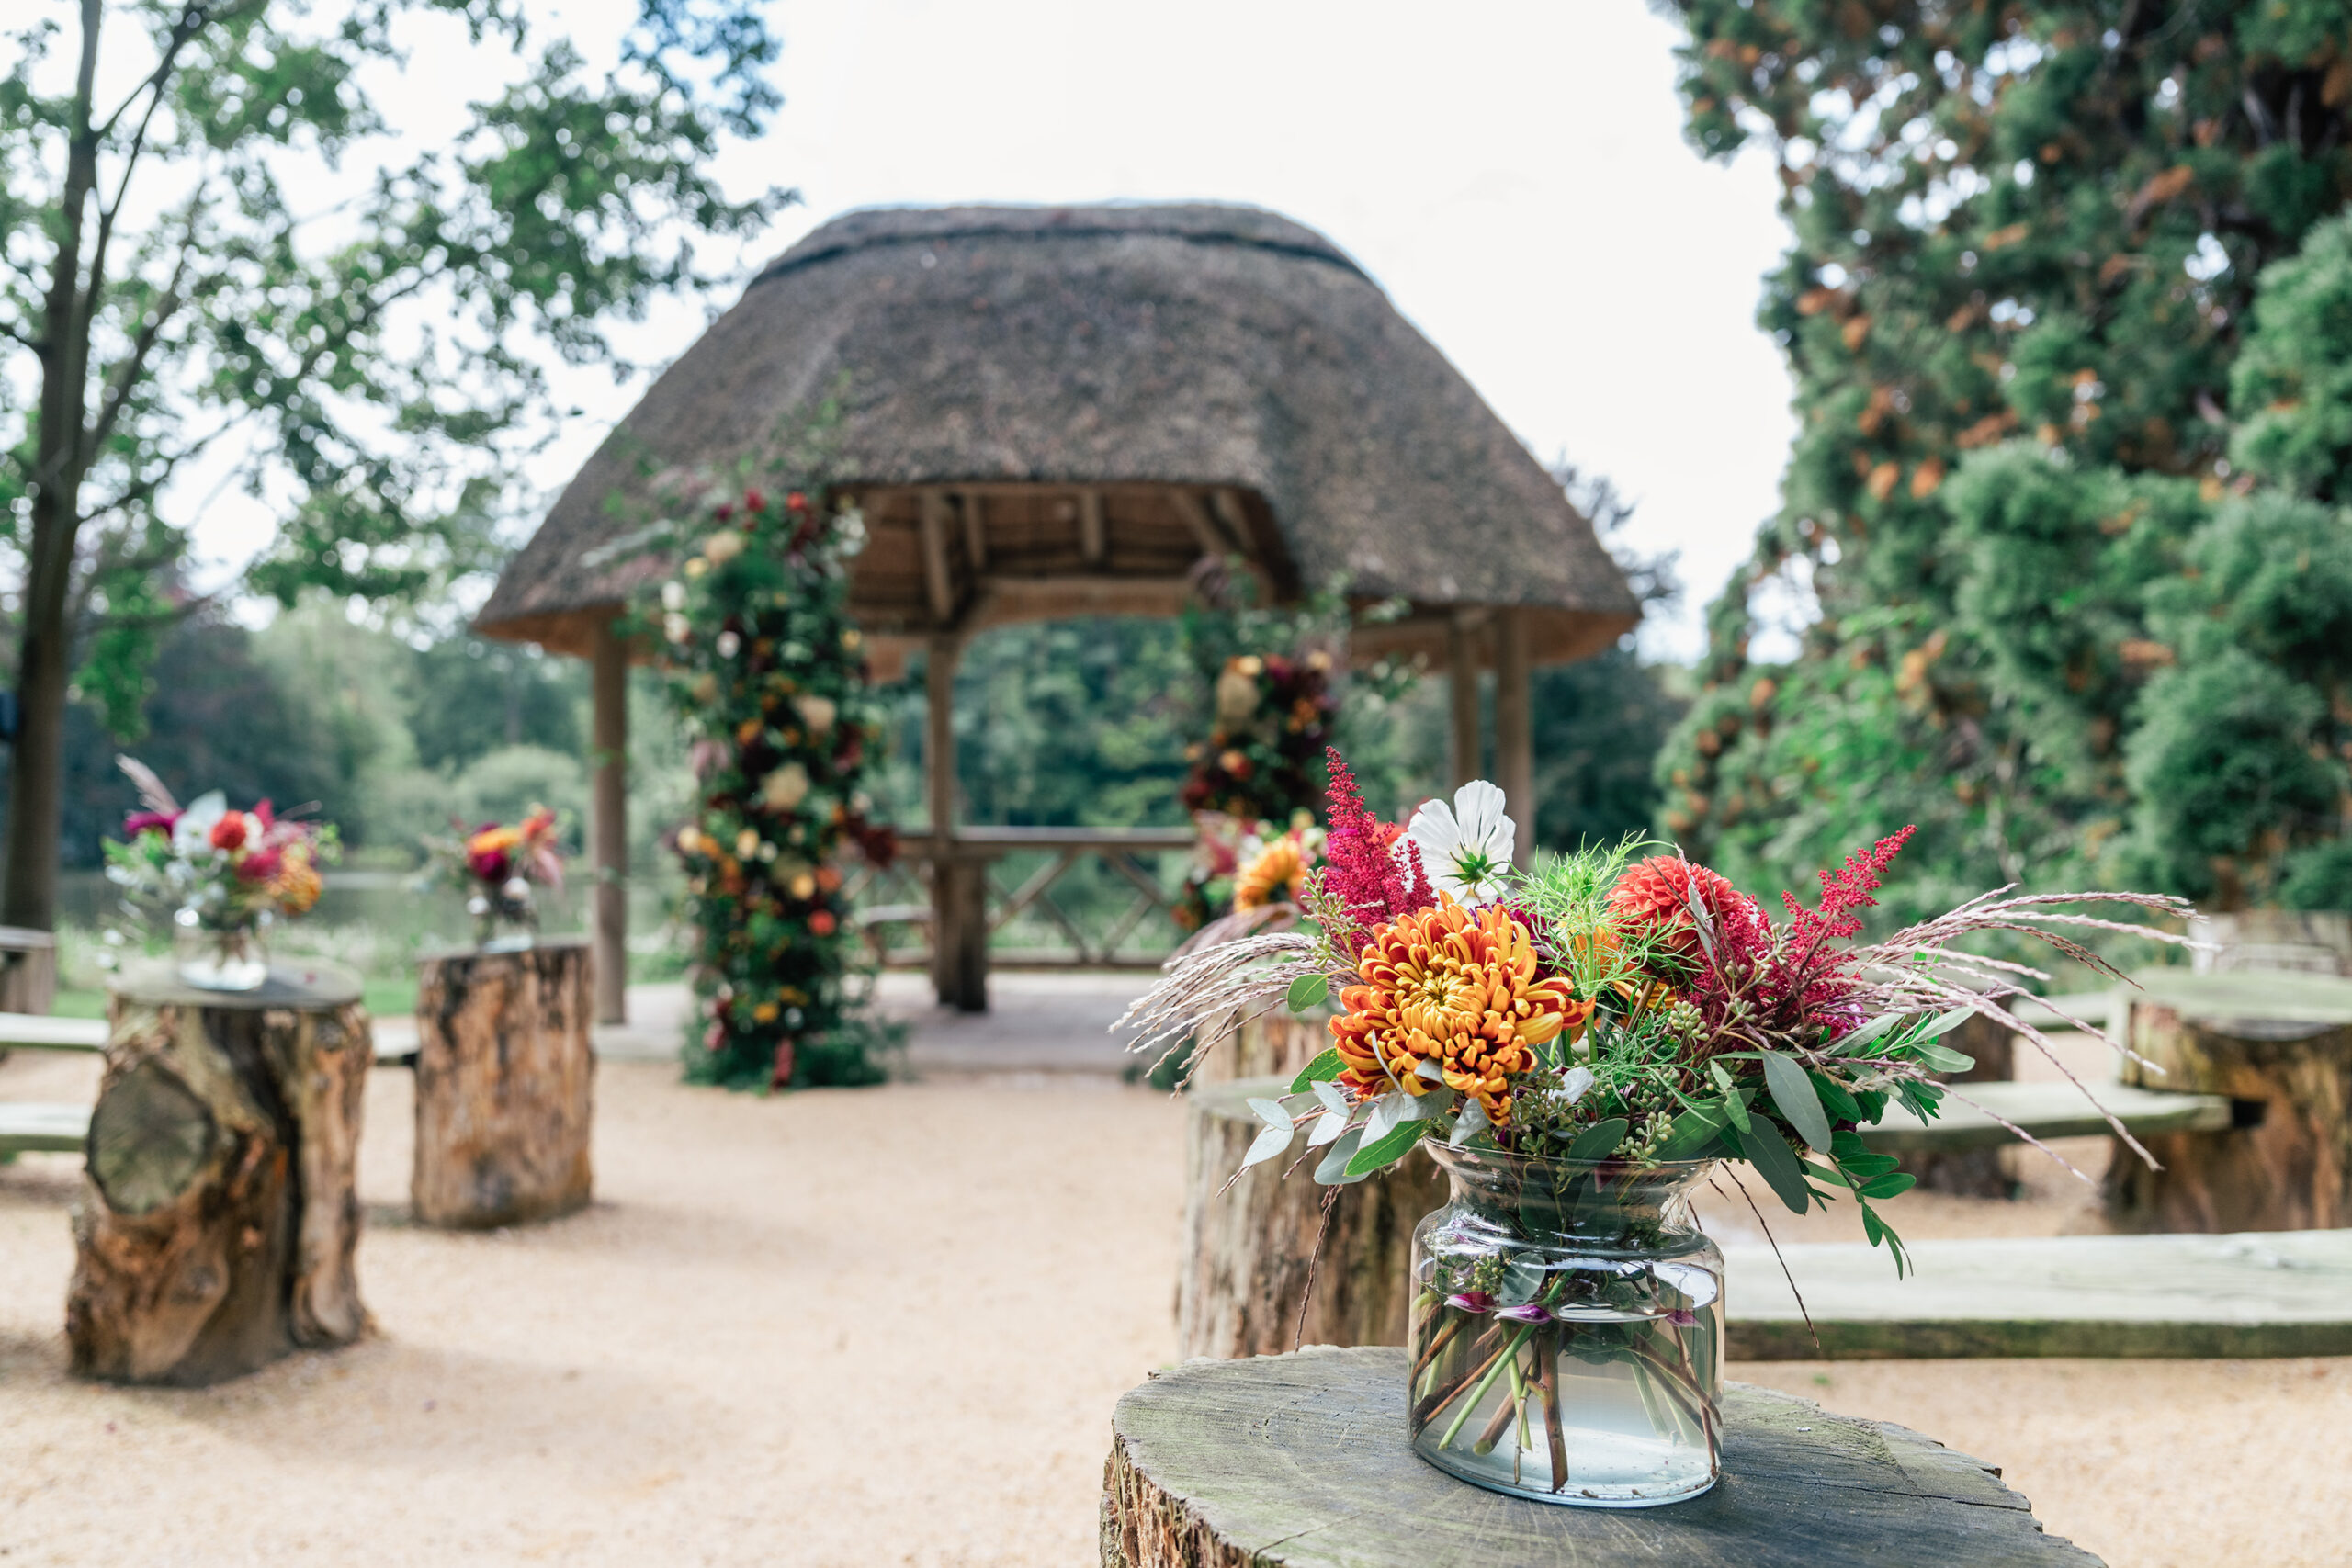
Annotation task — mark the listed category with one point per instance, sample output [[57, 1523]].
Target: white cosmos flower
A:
[[1466, 849]]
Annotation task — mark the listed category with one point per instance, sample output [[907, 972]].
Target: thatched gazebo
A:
[[1051, 412]]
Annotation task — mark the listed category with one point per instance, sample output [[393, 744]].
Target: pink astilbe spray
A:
[[1362, 869], [1843, 892]]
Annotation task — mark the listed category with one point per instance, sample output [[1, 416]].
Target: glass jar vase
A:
[[221, 953], [1567, 1331], [505, 918]]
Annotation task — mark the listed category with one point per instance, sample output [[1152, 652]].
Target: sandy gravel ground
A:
[[888, 1327]]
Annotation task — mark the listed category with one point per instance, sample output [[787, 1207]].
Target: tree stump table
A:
[[1272, 1045], [2279, 1045], [506, 1084], [1246, 1249], [1302, 1460], [217, 1225]]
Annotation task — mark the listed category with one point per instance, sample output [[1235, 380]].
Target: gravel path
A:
[[888, 1327]]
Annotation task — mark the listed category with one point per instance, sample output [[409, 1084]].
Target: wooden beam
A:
[[1226, 505], [1195, 515], [1462, 674], [976, 532], [958, 885], [937, 583], [608, 821], [939, 733], [1515, 729], [1094, 545]]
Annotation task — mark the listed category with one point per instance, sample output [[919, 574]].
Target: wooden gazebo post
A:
[[959, 922], [1515, 726], [608, 822]]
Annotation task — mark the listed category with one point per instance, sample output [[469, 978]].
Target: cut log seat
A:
[[2046, 1111], [43, 1129], [2254, 1293]]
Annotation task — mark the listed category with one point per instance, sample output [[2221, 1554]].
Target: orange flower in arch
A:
[[1457, 992]]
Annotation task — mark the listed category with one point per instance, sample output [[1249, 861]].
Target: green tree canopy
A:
[[220, 248]]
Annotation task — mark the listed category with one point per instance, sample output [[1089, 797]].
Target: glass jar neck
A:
[[1585, 1201]]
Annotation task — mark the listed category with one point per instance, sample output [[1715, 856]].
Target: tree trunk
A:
[[61, 459], [506, 1084], [2280, 1046], [220, 1216], [1276, 1044], [1248, 1251], [1302, 1460]]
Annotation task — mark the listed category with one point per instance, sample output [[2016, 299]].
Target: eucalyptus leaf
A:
[[1324, 1068], [1854, 1038], [1599, 1140], [1333, 1097], [1386, 1111], [1332, 1171], [1430, 1071], [1379, 1152], [1328, 1126], [1946, 1022], [1522, 1277], [1777, 1165], [1307, 990], [1792, 1094], [1269, 1142], [1273, 1114], [1944, 1058], [1735, 1108], [1470, 1123]]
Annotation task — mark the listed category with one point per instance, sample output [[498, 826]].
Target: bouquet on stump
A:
[[220, 875], [496, 865], [1580, 1046]]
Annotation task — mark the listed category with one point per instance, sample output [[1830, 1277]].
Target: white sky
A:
[[1511, 172]]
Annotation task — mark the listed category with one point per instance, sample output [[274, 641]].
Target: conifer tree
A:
[[2027, 237]]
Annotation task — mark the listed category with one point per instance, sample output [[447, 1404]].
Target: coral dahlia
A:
[[1456, 991], [1654, 898]]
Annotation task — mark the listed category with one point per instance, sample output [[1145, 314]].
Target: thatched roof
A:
[[1050, 410]]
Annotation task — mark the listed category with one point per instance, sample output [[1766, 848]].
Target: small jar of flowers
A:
[[221, 876], [496, 866], [1580, 1046]]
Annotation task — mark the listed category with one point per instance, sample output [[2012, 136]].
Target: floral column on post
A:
[[766, 671]]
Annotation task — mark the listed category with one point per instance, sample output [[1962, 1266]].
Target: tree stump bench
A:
[[506, 1084], [1302, 1460], [2277, 1046], [219, 1220], [1246, 1250]]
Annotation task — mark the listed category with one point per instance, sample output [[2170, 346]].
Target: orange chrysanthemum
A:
[[1458, 992], [1278, 870], [1652, 898]]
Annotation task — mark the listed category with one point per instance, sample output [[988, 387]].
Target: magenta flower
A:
[[1528, 1312], [1471, 1301], [139, 823]]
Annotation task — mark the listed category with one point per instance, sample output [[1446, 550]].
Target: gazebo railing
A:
[[1056, 897]]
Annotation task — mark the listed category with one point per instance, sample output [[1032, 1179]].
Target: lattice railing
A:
[[1057, 898]]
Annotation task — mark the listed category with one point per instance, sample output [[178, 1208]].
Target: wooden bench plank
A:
[[43, 1129], [2254, 1293], [38, 1032], [2046, 1111]]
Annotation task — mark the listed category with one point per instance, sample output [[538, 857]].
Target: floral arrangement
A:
[[496, 864], [764, 669], [1256, 871], [216, 869], [1608, 1007], [1271, 721]]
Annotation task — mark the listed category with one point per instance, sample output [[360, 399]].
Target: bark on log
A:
[[1973, 1173], [1247, 1251], [1275, 1044], [1302, 1460], [220, 1215], [506, 1084], [2279, 1046]]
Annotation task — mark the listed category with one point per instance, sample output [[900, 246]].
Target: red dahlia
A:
[[1654, 897]]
